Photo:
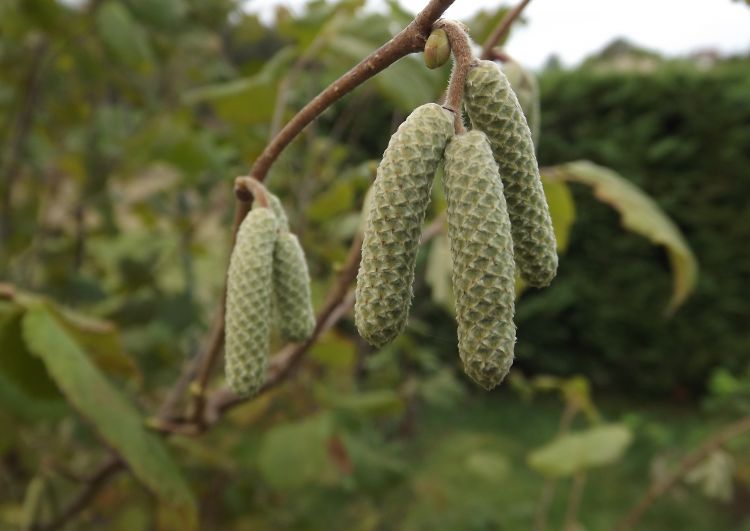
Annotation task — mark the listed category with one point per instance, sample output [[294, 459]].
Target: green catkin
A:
[[275, 205], [291, 284], [248, 307], [393, 223], [479, 231], [493, 108]]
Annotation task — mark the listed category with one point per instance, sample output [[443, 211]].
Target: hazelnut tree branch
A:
[[98, 479], [661, 486], [502, 29]]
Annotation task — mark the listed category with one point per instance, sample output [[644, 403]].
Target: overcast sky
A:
[[572, 29]]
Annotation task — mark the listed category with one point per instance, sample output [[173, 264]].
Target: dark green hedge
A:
[[683, 135]]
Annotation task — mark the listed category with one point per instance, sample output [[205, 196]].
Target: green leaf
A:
[[122, 34], [336, 200], [562, 208], [249, 100], [114, 417], [100, 340], [574, 452], [640, 214], [296, 454], [163, 14]]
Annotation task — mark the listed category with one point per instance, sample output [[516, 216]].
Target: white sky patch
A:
[[573, 29]]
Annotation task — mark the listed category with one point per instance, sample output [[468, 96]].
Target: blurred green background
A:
[[123, 124]]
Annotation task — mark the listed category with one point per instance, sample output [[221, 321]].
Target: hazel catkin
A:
[[479, 231], [291, 283], [248, 304], [400, 195], [494, 109]]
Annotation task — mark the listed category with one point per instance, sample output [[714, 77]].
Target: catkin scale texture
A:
[[479, 231], [274, 203], [292, 289], [494, 109], [248, 308], [400, 195]]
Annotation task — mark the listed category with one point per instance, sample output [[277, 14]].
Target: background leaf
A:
[[113, 416], [640, 214], [579, 451]]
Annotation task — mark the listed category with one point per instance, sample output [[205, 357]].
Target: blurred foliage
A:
[[123, 124], [680, 133]]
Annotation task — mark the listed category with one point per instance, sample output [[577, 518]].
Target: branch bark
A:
[[660, 487], [95, 483], [502, 29]]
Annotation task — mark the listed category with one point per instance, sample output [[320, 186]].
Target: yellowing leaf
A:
[[562, 209], [571, 453], [640, 214], [117, 421]]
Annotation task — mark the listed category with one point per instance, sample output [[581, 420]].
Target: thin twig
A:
[[462, 58], [106, 471], [661, 486], [411, 39], [207, 361], [550, 484], [574, 501], [502, 29]]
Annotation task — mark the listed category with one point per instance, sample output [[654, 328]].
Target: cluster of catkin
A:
[[498, 222], [268, 277]]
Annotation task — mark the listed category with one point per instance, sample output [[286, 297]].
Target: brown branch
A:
[[462, 58], [411, 39], [502, 29], [661, 486], [94, 484]]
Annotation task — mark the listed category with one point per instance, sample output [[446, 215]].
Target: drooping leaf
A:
[[562, 208], [116, 420], [640, 214], [578, 451]]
